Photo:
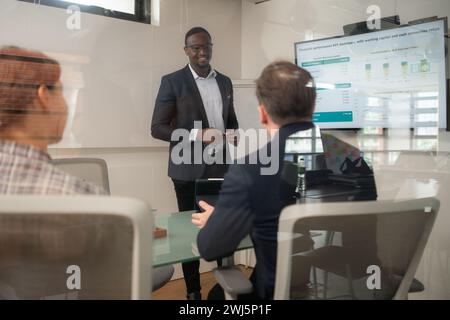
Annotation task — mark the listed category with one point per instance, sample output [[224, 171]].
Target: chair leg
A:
[[328, 242], [230, 296], [248, 255], [316, 291], [329, 238], [350, 282], [228, 261]]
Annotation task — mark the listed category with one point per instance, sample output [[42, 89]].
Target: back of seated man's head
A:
[[32, 108], [287, 93]]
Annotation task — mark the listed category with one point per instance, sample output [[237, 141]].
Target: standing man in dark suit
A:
[[196, 94], [251, 200]]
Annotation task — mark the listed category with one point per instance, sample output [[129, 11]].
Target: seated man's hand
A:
[[200, 219]]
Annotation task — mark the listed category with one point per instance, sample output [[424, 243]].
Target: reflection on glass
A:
[[426, 131], [419, 139], [373, 131], [373, 116], [373, 102], [425, 144], [303, 152], [433, 94], [392, 157], [324, 86], [386, 69], [427, 103], [307, 144], [426, 117], [368, 71], [405, 68], [371, 144]]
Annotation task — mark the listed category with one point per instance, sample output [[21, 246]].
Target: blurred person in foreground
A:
[[33, 115]]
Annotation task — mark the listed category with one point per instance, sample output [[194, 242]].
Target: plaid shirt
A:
[[27, 170]]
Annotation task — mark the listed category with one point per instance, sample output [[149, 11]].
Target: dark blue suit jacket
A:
[[250, 203], [177, 106]]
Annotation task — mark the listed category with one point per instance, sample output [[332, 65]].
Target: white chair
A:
[[80, 247], [90, 169], [96, 171], [378, 246]]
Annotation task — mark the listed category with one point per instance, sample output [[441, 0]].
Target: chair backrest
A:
[[90, 169], [83, 247], [362, 250]]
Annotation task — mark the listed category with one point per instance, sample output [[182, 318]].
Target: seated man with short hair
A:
[[251, 201]]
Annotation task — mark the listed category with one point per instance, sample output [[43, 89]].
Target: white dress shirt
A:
[[212, 100]]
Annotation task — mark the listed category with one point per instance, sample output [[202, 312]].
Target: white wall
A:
[[112, 68]]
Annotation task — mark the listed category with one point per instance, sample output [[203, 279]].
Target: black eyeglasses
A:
[[197, 48]]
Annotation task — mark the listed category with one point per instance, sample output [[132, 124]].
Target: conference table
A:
[[180, 243]]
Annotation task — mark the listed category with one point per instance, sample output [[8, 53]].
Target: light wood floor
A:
[[176, 289]]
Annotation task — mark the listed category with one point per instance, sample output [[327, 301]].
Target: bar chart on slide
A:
[[392, 78]]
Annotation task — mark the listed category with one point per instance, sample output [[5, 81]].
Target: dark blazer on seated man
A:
[[251, 202], [178, 105]]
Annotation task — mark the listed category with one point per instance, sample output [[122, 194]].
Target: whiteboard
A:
[[246, 104], [246, 108]]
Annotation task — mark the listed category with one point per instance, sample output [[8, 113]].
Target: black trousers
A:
[[185, 192]]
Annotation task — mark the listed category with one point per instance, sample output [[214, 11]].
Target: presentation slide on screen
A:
[[393, 78]]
